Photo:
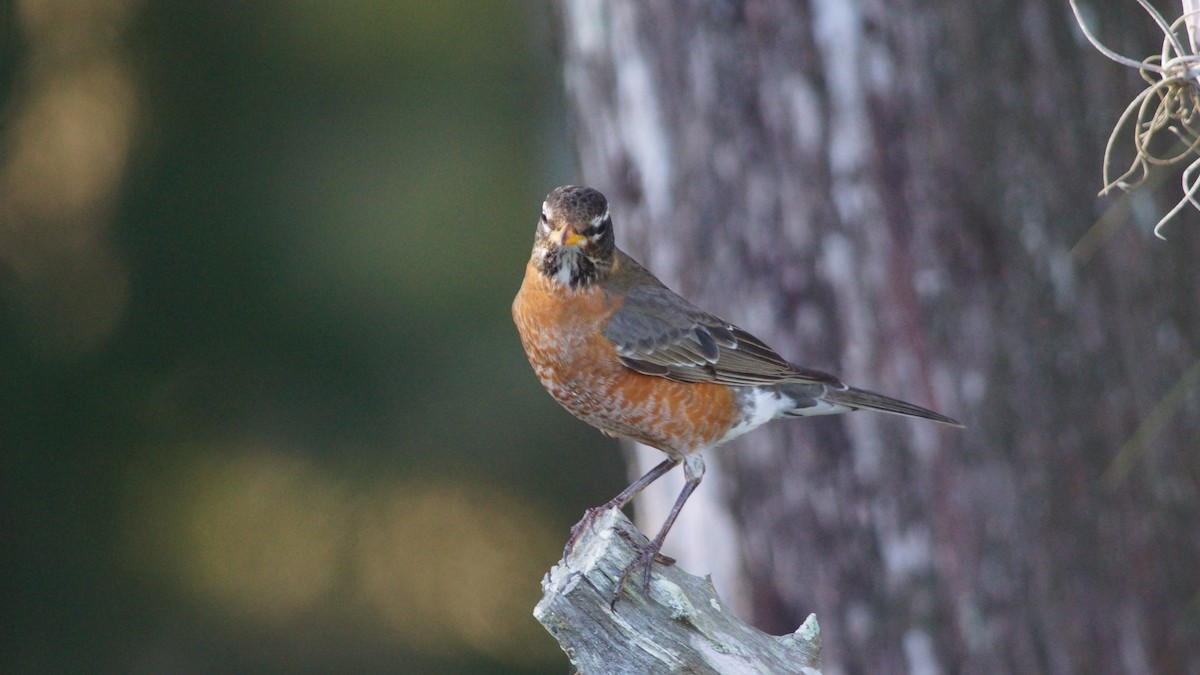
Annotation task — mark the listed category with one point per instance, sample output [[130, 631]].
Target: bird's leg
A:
[[619, 501], [693, 471]]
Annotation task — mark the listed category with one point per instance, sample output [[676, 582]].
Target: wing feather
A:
[[657, 332]]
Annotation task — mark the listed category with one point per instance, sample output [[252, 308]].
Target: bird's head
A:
[[574, 242]]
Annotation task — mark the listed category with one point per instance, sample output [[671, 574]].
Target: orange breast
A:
[[562, 332]]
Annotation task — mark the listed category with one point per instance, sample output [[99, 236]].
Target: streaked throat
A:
[[569, 266]]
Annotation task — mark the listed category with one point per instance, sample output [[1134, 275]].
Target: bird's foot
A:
[[577, 530], [645, 557]]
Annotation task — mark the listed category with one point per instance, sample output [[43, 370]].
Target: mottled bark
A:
[[894, 192]]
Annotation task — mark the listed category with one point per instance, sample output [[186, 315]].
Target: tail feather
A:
[[860, 399]]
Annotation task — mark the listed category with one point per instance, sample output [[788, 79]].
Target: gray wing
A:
[[656, 332]]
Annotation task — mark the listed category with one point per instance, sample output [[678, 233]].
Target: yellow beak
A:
[[566, 237]]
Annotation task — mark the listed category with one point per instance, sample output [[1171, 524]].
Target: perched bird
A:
[[624, 353]]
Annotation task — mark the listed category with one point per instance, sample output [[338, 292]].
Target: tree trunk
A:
[[895, 192]]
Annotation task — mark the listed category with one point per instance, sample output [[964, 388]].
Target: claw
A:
[[578, 529], [646, 556]]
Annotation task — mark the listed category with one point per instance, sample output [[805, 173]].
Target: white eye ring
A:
[[600, 222]]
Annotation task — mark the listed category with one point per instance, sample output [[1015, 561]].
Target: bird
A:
[[627, 355]]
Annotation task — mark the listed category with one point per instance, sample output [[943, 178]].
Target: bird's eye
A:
[[544, 219]]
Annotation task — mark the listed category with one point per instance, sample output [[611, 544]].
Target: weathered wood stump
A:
[[682, 626]]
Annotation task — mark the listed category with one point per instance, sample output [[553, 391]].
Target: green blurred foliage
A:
[[309, 440]]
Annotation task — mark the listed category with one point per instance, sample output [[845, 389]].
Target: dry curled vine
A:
[[1171, 104]]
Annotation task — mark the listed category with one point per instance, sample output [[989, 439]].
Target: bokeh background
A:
[[263, 406]]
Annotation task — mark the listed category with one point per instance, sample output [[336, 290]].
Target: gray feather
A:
[[860, 399], [657, 332]]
